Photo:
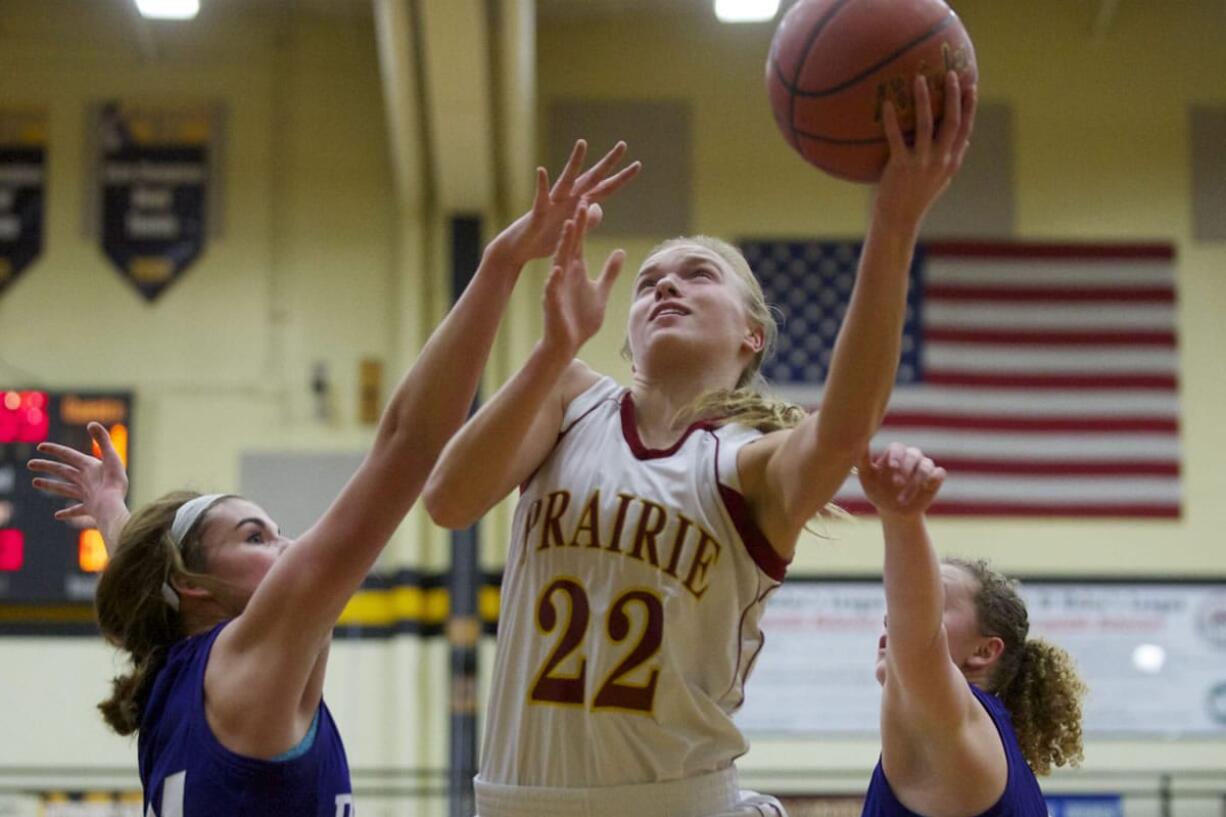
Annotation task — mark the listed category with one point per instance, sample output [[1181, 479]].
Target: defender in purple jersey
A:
[[227, 622], [971, 709]]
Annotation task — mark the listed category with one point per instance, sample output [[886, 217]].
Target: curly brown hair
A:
[[1036, 680]]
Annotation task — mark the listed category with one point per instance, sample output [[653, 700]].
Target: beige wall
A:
[[300, 274], [305, 272]]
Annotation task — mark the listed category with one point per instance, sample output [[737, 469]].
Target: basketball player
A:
[[227, 622], [971, 709], [654, 521]]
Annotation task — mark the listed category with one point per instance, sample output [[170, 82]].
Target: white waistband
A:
[[700, 796]]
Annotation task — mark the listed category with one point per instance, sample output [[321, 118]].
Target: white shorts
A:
[[710, 795]]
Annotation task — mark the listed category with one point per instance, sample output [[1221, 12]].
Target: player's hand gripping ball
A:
[[834, 63]]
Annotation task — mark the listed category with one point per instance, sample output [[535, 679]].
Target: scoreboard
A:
[[43, 560]]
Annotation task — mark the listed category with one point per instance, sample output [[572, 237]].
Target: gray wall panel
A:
[[981, 201], [295, 488], [1208, 128], [658, 133]]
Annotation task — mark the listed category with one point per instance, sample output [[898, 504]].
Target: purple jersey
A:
[[1021, 797], [186, 772]]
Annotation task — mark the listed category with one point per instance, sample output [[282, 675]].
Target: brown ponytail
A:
[[1036, 680], [131, 610]]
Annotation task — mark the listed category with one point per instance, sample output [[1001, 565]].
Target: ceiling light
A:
[[168, 9], [746, 11]]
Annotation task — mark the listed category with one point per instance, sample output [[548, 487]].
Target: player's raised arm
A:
[[510, 436], [788, 482], [924, 686], [304, 593], [514, 431]]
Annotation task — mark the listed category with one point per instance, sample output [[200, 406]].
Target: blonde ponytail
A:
[[745, 406]]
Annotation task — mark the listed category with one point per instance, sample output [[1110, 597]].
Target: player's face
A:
[[687, 297], [240, 544], [960, 619]]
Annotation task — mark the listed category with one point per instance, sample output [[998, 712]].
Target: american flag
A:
[[1043, 377]]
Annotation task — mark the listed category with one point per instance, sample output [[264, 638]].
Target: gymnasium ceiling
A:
[[115, 21], [561, 9], [1100, 13], [548, 9]]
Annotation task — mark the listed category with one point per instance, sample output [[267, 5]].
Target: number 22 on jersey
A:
[[554, 687]]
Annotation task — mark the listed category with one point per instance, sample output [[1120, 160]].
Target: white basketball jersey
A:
[[631, 599]]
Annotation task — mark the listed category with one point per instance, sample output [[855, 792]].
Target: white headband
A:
[[185, 518], [187, 515]]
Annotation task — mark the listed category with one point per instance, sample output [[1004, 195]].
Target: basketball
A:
[[834, 63]]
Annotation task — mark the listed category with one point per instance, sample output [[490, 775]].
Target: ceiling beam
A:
[[459, 102], [144, 34], [398, 64], [514, 26]]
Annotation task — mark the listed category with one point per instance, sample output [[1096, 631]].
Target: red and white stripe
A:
[[1050, 381]]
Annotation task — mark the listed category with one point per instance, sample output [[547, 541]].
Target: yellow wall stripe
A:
[[374, 608]]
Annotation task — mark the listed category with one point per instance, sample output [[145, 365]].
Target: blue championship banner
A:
[[23, 139], [154, 169]]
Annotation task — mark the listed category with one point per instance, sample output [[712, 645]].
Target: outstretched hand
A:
[[915, 177], [900, 481], [538, 233], [575, 304], [98, 486]]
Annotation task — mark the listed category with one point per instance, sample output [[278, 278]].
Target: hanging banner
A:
[[153, 171], [23, 141]]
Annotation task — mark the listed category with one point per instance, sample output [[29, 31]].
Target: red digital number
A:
[[24, 417], [12, 550]]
